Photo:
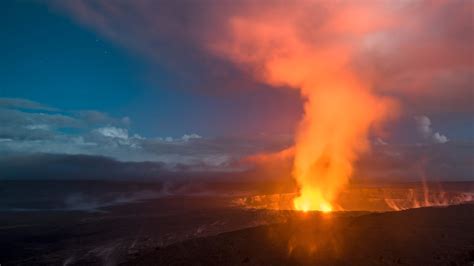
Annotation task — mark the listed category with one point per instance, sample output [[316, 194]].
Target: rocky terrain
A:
[[424, 236]]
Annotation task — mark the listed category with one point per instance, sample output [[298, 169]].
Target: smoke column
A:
[[313, 52]]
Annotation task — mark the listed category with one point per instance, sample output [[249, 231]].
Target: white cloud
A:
[[113, 132], [39, 126], [98, 134], [423, 125], [438, 138], [187, 137], [18, 103], [136, 136]]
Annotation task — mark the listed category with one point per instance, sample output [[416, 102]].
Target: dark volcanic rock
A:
[[425, 236]]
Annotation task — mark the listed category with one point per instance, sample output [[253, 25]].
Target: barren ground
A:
[[425, 236]]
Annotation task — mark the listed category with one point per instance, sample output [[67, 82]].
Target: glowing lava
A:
[[339, 112], [307, 200]]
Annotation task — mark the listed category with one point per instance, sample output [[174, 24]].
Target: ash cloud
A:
[[422, 58]]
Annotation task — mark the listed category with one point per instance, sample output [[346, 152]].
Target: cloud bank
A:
[[48, 130], [39, 144]]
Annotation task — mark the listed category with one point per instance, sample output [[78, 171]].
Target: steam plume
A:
[[339, 108]]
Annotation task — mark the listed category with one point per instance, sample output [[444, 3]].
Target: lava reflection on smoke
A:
[[340, 106]]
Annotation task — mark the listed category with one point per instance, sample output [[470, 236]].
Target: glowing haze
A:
[[342, 56], [339, 107]]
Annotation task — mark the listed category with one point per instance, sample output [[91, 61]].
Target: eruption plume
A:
[[334, 52], [339, 107]]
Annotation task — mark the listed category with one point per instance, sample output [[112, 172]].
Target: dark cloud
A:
[[43, 170], [23, 104], [21, 125], [92, 117], [436, 162], [65, 167]]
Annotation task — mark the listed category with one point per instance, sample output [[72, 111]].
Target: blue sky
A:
[[52, 59]]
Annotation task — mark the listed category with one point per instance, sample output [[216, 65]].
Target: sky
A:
[[137, 82]]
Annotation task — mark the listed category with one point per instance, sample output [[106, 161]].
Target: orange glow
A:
[[339, 108], [426, 198]]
